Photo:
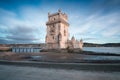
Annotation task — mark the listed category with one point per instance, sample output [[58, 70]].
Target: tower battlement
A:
[[57, 17]]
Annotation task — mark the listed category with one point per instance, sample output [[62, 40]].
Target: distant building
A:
[[26, 49], [57, 36]]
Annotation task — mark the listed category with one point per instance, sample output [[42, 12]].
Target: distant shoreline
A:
[[101, 45], [85, 45]]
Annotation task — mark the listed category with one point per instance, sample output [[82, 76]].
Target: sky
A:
[[94, 21]]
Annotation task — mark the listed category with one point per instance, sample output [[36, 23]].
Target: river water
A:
[[103, 49], [33, 73]]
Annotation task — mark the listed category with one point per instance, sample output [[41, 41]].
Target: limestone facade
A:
[[57, 36]]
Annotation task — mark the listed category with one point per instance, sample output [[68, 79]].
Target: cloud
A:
[[3, 40], [97, 21], [7, 13], [96, 25], [29, 26], [112, 32]]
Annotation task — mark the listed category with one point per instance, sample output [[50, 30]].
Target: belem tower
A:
[[57, 36]]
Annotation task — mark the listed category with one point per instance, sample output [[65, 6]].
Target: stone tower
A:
[[57, 30]]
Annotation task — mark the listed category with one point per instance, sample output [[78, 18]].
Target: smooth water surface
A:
[[103, 49]]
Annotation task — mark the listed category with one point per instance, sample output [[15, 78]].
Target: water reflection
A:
[[101, 57]]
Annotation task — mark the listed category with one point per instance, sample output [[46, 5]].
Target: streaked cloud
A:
[[94, 21], [27, 28], [96, 26]]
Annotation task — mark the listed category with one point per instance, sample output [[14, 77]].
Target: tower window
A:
[[64, 33], [54, 18], [53, 37]]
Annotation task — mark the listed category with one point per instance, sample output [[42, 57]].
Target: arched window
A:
[[64, 32], [53, 37], [59, 37]]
